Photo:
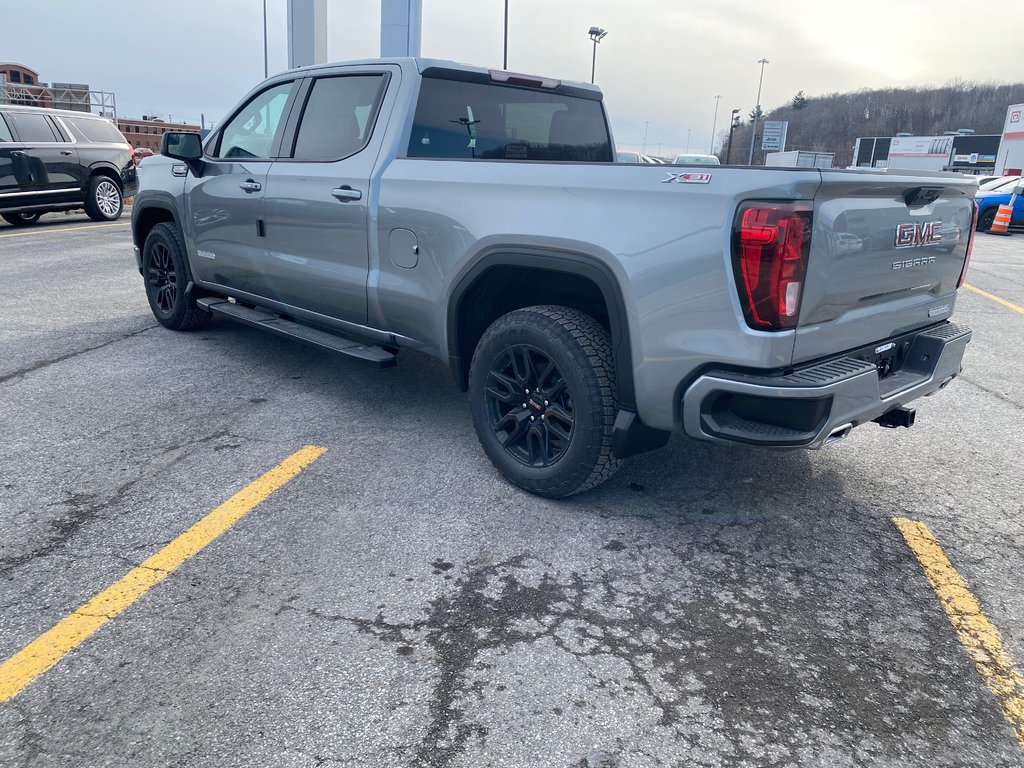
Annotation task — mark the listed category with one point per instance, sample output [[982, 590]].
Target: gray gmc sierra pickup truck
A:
[[590, 308]]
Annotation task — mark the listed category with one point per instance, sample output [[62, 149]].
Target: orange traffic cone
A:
[[1001, 223]]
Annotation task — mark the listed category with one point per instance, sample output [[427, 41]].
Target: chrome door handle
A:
[[346, 193], [18, 153], [251, 186]]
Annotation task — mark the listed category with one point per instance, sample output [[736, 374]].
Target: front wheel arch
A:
[[146, 217]]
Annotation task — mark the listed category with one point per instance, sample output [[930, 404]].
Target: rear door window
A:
[[91, 129], [251, 133], [5, 131], [494, 122], [338, 117], [34, 128]]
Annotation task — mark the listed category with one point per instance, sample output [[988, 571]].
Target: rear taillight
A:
[[770, 245], [970, 246], [135, 160]]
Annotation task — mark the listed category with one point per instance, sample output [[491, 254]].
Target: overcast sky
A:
[[662, 62]]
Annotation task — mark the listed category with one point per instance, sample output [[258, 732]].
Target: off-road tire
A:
[[104, 200], [21, 219], [581, 351], [167, 276]]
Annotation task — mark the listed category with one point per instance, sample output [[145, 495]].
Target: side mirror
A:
[[184, 146]]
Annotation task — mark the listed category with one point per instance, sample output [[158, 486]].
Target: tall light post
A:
[[504, 58], [733, 119], [643, 149], [757, 113], [266, 68], [688, 132], [597, 35], [714, 125]]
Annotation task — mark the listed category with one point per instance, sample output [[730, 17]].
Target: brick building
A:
[[147, 130], [22, 86]]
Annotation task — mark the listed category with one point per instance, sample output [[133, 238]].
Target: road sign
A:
[[774, 137]]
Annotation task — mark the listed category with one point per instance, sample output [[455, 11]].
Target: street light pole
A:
[[643, 149], [266, 68], [757, 113], [714, 125], [597, 35], [504, 59], [688, 132], [732, 127]]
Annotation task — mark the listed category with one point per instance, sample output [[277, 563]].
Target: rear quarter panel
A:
[[667, 244]]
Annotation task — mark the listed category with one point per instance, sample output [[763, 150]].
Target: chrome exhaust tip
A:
[[838, 434]]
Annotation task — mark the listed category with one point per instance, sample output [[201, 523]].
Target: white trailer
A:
[[920, 153], [799, 158]]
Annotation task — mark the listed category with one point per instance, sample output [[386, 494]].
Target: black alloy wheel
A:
[[529, 406], [543, 398], [163, 278], [167, 277], [986, 219]]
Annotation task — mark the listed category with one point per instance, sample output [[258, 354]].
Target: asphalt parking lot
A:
[[397, 604]]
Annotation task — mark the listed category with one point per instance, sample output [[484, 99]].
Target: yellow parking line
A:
[[987, 295], [50, 647], [65, 229], [982, 640]]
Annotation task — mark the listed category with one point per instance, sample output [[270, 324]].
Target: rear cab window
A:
[[486, 121], [338, 116]]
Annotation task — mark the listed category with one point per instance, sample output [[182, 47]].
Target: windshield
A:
[[1000, 185]]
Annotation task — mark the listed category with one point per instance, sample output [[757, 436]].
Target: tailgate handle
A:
[[922, 195]]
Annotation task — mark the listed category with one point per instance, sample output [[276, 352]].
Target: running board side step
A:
[[289, 329]]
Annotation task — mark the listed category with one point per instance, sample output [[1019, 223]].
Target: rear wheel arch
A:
[[502, 280], [111, 173]]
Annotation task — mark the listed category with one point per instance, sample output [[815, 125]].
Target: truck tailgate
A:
[[887, 251]]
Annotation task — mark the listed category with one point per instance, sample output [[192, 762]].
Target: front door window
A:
[[250, 134]]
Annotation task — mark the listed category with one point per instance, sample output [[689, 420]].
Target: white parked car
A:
[[690, 159], [629, 156]]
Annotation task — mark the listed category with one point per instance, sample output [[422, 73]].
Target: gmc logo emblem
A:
[[914, 235]]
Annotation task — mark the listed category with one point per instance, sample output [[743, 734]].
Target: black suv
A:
[[55, 160]]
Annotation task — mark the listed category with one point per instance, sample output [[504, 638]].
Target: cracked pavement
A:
[[399, 605]]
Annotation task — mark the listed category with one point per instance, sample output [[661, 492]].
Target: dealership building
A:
[[1000, 154]]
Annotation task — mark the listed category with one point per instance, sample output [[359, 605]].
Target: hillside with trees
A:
[[832, 123]]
